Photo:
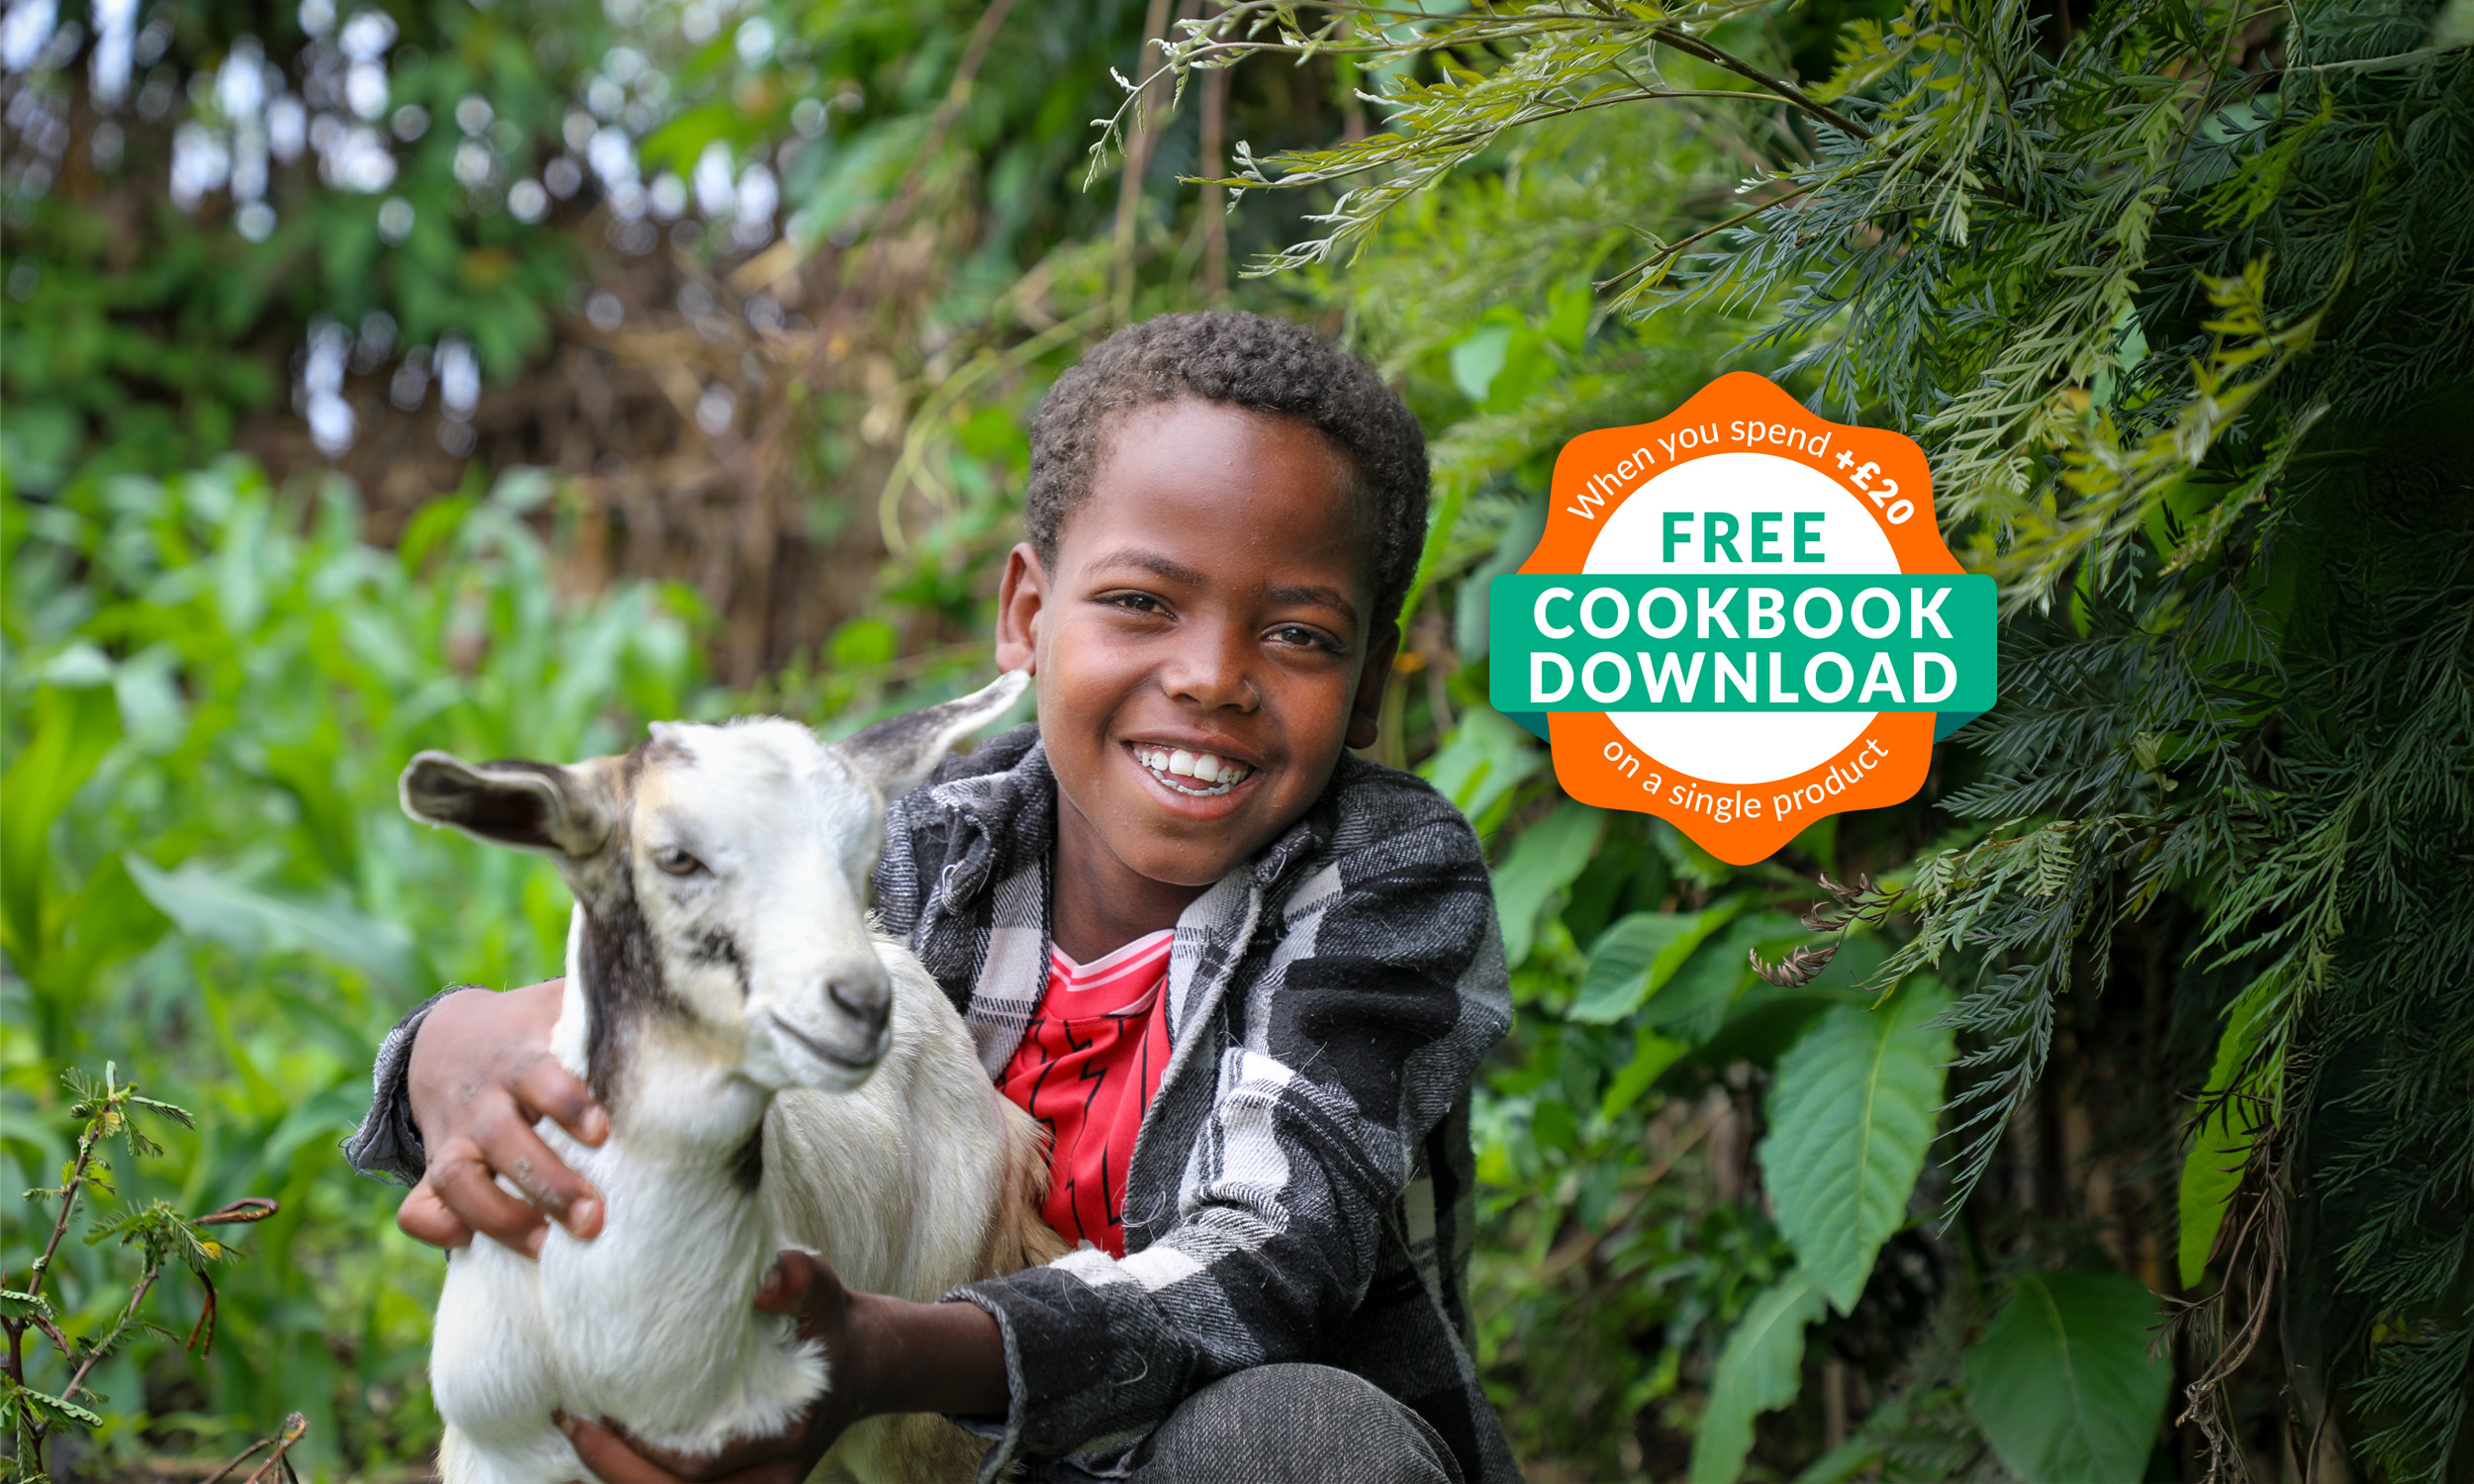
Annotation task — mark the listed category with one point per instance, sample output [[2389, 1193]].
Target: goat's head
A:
[[720, 875]]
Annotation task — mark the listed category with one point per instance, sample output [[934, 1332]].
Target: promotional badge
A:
[[1742, 619]]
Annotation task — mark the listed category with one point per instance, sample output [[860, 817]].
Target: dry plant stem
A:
[[761, 463], [1137, 160], [94, 1357], [1214, 194], [2255, 1249], [295, 1426], [40, 1431], [60, 1225]]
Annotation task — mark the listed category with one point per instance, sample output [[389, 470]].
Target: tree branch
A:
[[1694, 47], [1665, 252]]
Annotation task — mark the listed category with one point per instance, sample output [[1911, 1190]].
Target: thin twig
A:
[[238, 1459], [1668, 251], [1694, 47], [68, 1202], [295, 1428], [94, 1357]]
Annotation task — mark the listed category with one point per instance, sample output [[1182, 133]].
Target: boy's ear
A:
[[1365, 708], [1019, 599]]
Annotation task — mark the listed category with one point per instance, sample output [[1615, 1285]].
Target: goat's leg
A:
[[491, 1377]]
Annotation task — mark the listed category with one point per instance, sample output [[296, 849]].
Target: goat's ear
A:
[[565, 811], [898, 754]]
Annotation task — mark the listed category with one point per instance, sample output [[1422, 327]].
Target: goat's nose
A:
[[865, 999]]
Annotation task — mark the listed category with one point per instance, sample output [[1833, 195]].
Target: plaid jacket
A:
[[1300, 1189]]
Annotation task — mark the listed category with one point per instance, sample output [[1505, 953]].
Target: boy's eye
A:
[[1300, 634], [1136, 603]]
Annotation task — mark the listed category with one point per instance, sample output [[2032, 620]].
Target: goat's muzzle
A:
[[867, 1000]]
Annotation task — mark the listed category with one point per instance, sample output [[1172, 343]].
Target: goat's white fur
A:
[[909, 1176]]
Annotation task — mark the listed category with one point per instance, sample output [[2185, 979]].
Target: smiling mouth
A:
[[1196, 774]]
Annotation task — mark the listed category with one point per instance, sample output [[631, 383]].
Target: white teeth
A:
[[1172, 764]]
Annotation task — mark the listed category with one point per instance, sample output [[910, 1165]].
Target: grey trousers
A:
[[1281, 1425]]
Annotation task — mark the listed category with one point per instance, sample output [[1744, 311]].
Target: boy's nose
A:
[[1212, 668]]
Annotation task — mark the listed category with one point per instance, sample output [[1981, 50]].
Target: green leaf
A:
[[1695, 1003], [1636, 956], [49, 1405], [1652, 1055], [1549, 856], [18, 1305], [1851, 1115], [1478, 359], [2220, 1144], [1484, 759], [2061, 1382], [76, 719], [1761, 1367], [213, 907], [1616, 978]]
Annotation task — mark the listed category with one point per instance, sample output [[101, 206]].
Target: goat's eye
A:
[[677, 862]]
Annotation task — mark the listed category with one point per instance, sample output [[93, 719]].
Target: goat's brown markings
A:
[[721, 946], [623, 979]]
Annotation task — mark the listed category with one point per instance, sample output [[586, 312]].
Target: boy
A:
[[1245, 977]]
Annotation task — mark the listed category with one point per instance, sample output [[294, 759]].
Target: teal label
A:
[[1673, 641]]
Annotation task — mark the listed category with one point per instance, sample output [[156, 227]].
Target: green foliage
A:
[[146, 332], [2172, 295], [1851, 1116], [104, 1110], [1761, 1367], [2221, 1141], [1549, 856], [211, 685], [2063, 1381]]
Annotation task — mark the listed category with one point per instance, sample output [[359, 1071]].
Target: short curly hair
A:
[[1251, 361]]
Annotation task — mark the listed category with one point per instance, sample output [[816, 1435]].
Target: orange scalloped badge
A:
[[1682, 499]]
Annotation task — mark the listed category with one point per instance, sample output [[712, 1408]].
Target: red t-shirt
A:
[[1088, 1063]]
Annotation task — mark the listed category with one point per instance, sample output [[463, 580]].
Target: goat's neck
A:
[[673, 1100]]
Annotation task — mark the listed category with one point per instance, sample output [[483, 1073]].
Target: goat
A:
[[776, 1075]]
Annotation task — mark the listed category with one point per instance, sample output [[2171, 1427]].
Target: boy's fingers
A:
[[509, 1146], [461, 1179], [786, 1287], [551, 1091], [424, 1218], [610, 1457]]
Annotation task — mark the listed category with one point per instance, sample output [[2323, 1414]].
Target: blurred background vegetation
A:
[[499, 376]]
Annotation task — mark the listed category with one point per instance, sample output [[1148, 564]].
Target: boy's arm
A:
[[1367, 1026], [458, 1089]]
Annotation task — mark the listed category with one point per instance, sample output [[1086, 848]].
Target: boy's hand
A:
[[887, 1355], [480, 1076]]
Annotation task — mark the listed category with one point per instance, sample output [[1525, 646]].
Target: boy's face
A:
[[1209, 600]]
